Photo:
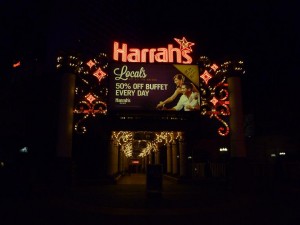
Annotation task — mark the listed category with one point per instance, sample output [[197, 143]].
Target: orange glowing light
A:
[[17, 64], [214, 67], [214, 101], [90, 63], [99, 74], [90, 97], [184, 44], [206, 76]]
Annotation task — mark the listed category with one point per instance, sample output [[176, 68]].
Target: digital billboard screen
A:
[[153, 87]]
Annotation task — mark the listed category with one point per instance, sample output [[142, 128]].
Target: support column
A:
[[110, 170], [143, 160], [65, 129], [169, 159], [237, 140], [126, 161], [119, 163], [147, 162], [113, 158], [121, 169], [157, 157], [116, 158], [174, 158], [239, 168], [150, 158], [182, 157]]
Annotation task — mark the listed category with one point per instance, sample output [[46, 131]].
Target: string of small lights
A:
[[214, 89], [91, 89], [125, 139]]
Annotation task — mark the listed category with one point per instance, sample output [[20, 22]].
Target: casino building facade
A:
[[110, 123]]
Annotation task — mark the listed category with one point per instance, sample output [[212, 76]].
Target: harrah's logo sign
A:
[[155, 55]]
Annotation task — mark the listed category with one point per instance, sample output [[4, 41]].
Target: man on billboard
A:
[[189, 100], [178, 79]]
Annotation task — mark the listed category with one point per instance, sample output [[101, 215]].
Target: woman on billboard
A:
[[178, 81]]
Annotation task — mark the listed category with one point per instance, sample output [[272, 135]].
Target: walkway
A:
[[139, 178], [128, 203]]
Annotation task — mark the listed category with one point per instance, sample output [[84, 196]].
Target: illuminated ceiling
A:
[[142, 143]]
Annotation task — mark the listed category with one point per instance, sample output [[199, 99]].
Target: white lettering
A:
[[138, 86], [122, 100], [125, 92], [142, 93], [123, 73], [161, 87]]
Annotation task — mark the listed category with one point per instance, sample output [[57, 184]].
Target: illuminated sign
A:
[[149, 87], [169, 54], [143, 85]]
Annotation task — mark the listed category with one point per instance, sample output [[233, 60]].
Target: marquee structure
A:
[[86, 90]]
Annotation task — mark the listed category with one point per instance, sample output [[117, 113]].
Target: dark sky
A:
[[264, 34]]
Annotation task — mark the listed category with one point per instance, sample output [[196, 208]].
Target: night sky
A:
[[264, 34]]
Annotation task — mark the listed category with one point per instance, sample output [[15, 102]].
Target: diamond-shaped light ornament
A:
[[90, 97], [99, 74], [214, 101], [206, 76], [214, 67], [90, 63]]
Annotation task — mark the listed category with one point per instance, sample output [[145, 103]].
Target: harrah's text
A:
[[152, 55]]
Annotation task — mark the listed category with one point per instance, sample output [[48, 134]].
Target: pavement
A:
[[129, 202]]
